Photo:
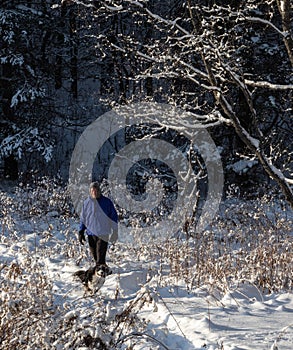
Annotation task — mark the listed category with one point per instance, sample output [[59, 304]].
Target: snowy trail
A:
[[241, 319]]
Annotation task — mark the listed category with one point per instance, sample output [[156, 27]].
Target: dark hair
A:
[[95, 185]]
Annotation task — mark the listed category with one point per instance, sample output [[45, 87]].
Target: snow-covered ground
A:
[[140, 306]]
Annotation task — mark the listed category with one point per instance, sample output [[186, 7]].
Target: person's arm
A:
[[113, 214], [114, 220], [82, 228]]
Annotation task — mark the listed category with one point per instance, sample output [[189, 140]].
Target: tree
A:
[[227, 64], [22, 81], [39, 70], [216, 61]]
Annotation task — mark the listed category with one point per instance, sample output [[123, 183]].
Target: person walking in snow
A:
[[99, 220]]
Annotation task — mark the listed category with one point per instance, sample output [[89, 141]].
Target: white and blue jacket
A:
[[99, 217]]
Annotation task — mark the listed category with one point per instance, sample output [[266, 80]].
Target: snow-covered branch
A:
[[268, 85], [266, 23]]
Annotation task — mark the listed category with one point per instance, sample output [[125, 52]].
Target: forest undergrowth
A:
[[249, 242]]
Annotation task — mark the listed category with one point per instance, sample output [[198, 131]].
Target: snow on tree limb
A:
[[266, 23], [254, 145], [289, 181], [267, 84]]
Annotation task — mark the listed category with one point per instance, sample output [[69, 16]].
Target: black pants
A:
[[98, 248]]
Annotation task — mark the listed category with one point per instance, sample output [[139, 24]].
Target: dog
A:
[[94, 278]]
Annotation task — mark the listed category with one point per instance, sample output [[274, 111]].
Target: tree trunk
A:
[[285, 12]]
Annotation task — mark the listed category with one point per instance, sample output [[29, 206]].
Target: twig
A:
[[172, 315], [138, 334]]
